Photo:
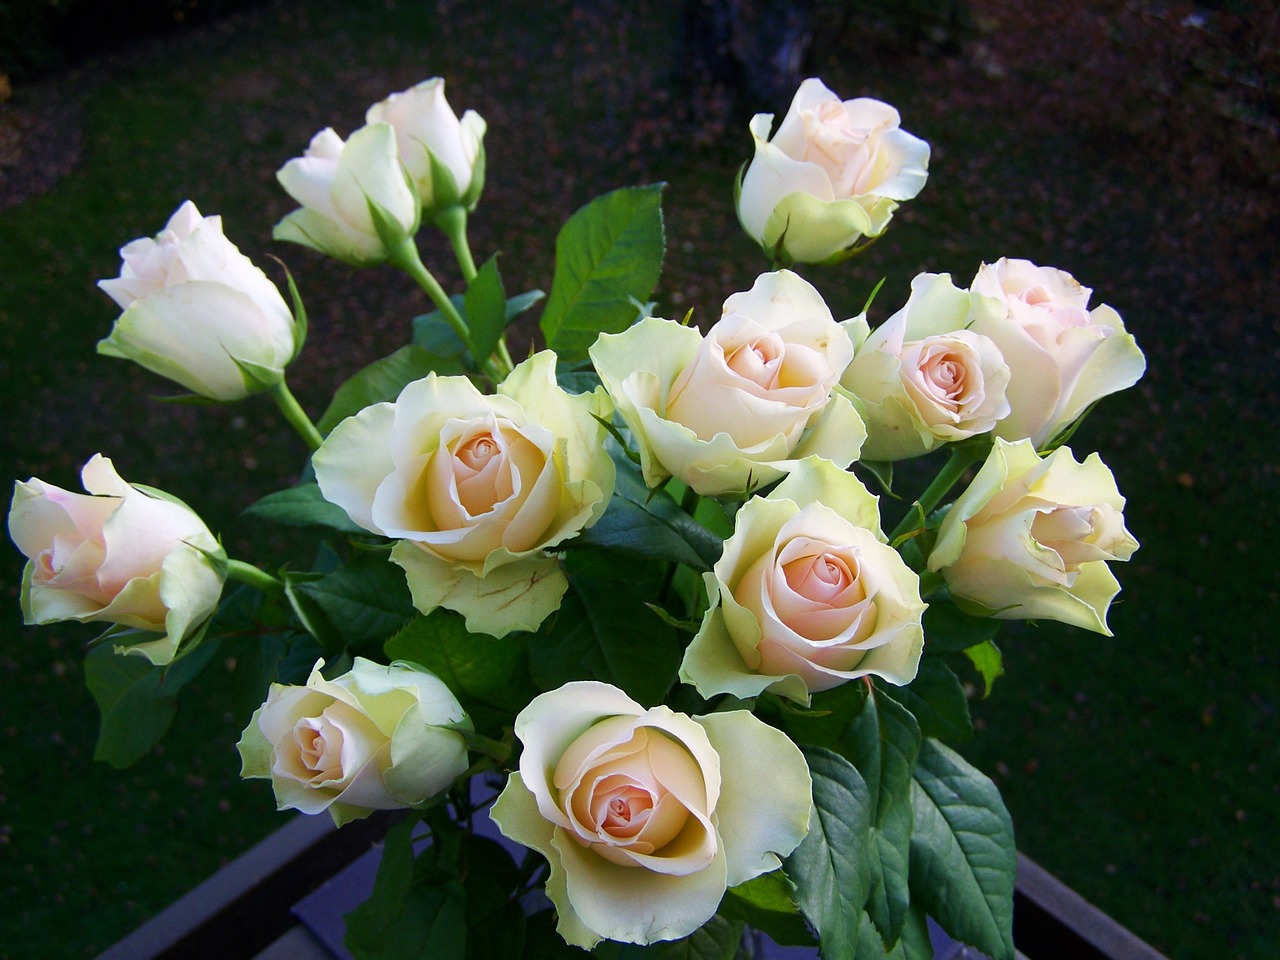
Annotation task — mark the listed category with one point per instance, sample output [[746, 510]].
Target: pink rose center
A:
[[759, 360], [820, 578], [319, 748]]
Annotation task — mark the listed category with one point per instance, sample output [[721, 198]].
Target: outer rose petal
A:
[[765, 796], [988, 554]]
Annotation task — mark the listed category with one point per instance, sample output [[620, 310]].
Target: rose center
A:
[[478, 451], [759, 360], [820, 578]]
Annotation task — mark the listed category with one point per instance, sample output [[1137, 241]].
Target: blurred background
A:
[[1133, 143]]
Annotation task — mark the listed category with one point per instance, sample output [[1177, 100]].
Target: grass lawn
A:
[[1141, 768]]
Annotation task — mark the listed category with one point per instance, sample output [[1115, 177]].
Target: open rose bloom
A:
[[1031, 537], [830, 178], [921, 379], [477, 488], [646, 816], [1062, 355], [379, 737], [739, 407], [123, 555], [807, 595]]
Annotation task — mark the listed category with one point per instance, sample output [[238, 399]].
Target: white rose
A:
[[1062, 356], [477, 488], [807, 595], [647, 816], [196, 310], [921, 379], [357, 203], [125, 555], [1031, 537], [443, 155], [831, 177], [376, 738], [737, 407]]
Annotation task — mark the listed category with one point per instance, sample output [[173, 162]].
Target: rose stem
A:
[[406, 258], [296, 416], [963, 456], [453, 224], [258, 579]]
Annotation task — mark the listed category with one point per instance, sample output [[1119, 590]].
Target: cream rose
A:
[[357, 203], [376, 738], [1031, 537], [829, 180], [921, 379], [126, 555], [1062, 356], [443, 155], [735, 409], [477, 488], [647, 816], [196, 310], [807, 595]]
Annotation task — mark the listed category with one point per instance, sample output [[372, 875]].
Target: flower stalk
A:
[[296, 416]]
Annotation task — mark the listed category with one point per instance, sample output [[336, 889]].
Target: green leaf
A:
[[302, 506], [488, 675], [365, 602], [949, 629], [541, 942], [520, 303], [963, 858], [436, 335], [630, 528], [136, 700], [608, 256], [767, 903], [650, 524], [880, 738], [604, 632], [383, 380], [495, 921], [485, 307], [913, 944], [989, 662], [717, 939], [413, 912], [829, 868], [937, 699], [882, 471]]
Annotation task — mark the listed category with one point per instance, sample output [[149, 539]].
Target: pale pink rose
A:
[[1062, 355], [128, 556], [647, 816], [807, 595]]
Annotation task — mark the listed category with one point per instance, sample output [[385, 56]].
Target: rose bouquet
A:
[[630, 598]]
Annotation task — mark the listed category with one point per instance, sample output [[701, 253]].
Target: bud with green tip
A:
[[444, 156], [357, 203]]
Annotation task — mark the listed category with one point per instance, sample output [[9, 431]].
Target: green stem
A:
[[407, 259], [247, 573], [453, 223], [963, 456], [499, 750], [296, 416]]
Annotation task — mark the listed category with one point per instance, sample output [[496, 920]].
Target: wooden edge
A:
[[1055, 922], [245, 906]]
